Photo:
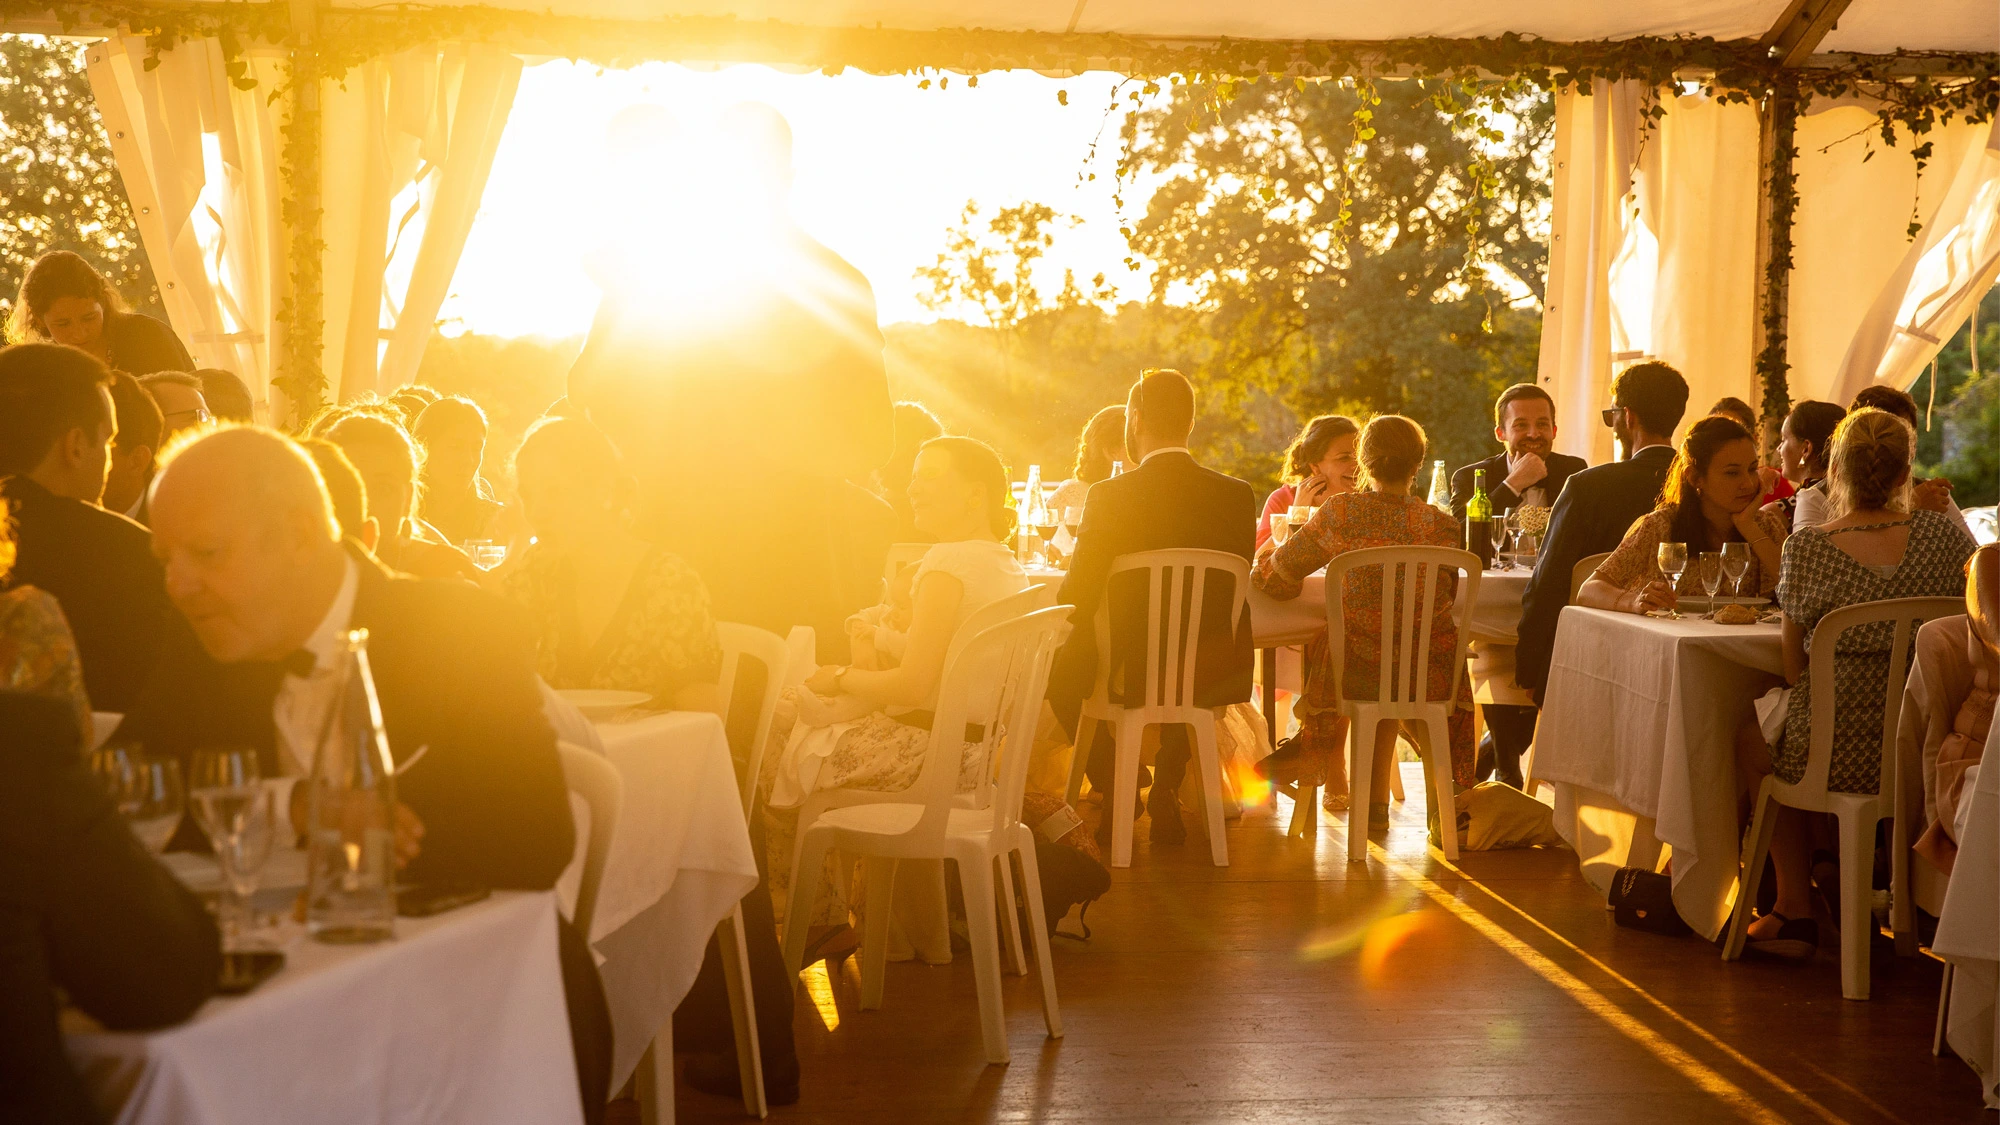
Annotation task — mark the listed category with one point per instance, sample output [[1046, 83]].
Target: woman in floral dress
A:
[[1382, 514], [37, 653]]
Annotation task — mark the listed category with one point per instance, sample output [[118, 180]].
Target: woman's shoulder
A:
[[29, 612], [969, 558], [1656, 524], [1281, 497]]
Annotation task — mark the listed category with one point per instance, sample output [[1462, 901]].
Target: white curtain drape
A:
[[199, 158], [1652, 252], [409, 142]]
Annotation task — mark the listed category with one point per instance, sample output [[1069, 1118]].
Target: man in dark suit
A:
[[56, 428], [1528, 473], [83, 909], [1598, 505], [136, 449], [267, 591], [1167, 502]]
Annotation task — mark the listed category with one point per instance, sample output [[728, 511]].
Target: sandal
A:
[[1335, 802], [1797, 940]]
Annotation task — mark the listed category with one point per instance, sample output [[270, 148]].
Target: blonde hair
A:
[[1392, 448], [1868, 465]]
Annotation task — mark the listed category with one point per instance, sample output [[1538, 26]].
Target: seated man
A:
[[245, 529], [1526, 474], [1167, 502], [134, 451], [181, 405], [56, 428], [1598, 504], [83, 909]]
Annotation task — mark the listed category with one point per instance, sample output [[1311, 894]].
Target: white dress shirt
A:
[[302, 703], [1165, 449]]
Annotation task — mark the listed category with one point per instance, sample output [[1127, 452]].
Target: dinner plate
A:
[[600, 705]]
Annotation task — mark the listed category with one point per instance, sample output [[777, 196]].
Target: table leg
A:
[[655, 1078], [1267, 672], [742, 1012]]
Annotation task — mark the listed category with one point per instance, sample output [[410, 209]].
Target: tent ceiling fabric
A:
[[1873, 26]]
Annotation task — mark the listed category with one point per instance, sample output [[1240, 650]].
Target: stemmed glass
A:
[[147, 792], [1046, 524], [1501, 530], [1736, 564], [1673, 560], [1708, 569], [485, 553], [1300, 515], [233, 807], [1281, 528]]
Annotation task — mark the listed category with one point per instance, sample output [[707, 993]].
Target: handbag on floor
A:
[[1644, 900]]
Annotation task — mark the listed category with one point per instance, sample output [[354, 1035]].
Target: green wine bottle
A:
[[1479, 520]]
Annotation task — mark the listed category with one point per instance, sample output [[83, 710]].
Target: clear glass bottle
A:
[[1117, 468], [1440, 497], [351, 814]]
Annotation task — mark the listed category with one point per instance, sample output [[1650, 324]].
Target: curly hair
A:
[[53, 276], [1101, 443], [1704, 440], [1309, 448], [1869, 463]]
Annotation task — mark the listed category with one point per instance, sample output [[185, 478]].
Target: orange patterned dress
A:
[[37, 653], [1351, 522]]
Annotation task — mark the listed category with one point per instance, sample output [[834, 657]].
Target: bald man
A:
[[265, 588]]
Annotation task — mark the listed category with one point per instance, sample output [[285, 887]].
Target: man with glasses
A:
[[182, 406], [1597, 505]]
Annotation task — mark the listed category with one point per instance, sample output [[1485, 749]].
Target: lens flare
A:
[[820, 989], [1251, 787], [1360, 931]]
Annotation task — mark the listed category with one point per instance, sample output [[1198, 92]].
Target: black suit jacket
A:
[[1167, 502], [100, 567], [1560, 466], [454, 670], [1596, 508]]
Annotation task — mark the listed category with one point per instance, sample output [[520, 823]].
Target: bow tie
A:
[[299, 663]]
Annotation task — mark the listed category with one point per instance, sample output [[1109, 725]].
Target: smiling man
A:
[[1529, 473]]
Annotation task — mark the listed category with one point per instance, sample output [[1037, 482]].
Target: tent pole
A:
[[1776, 207], [299, 375]]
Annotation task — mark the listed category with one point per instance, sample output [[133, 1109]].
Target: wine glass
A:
[[1300, 515], [233, 806], [1501, 529], [485, 553], [1673, 560], [1708, 569], [1736, 564], [1281, 527], [146, 791], [1046, 524]]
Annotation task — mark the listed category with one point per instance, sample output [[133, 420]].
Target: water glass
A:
[[1300, 515], [1708, 569], [1281, 527], [1673, 560], [147, 792], [1502, 557], [485, 553], [1736, 564], [233, 807]]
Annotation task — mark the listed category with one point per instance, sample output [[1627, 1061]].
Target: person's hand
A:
[[858, 628], [1655, 595], [1525, 472], [1312, 490], [822, 681], [1768, 477], [409, 835], [1933, 495]]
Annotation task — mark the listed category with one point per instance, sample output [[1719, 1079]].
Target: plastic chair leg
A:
[[1437, 778], [1010, 920], [881, 891], [1208, 760], [654, 1080], [808, 862], [1305, 811], [1031, 883], [1360, 780], [1124, 786], [977, 878], [1857, 920], [1751, 873], [1938, 1045], [742, 1011]]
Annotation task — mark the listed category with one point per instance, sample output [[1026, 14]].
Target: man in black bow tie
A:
[[243, 526]]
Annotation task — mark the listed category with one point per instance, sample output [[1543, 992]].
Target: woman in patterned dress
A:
[[1382, 514], [612, 611], [37, 653], [1710, 498], [1874, 548]]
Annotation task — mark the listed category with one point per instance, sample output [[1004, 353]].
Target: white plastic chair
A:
[[997, 682], [1176, 581], [1404, 678], [1857, 813], [595, 779], [747, 642]]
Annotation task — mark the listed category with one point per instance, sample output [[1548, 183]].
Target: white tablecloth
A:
[[1968, 932], [461, 1018], [1637, 732], [680, 861]]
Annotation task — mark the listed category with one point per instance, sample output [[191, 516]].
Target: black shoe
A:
[[1378, 819], [1482, 762], [1166, 816], [1797, 940], [716, 1074], [1283, 753]]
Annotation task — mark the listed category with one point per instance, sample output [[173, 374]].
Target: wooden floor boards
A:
[[1290, 987]]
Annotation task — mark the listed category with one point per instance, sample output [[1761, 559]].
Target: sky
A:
[[882, 170]]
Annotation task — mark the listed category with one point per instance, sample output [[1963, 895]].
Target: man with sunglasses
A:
[[1597, 505]]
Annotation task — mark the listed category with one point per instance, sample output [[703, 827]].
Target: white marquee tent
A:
[[1656, 229]]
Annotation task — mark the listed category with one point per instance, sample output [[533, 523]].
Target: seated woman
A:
[[1948, 703], [457, 500], [1101, 445], [1319, 463], [612, 611], [861, 728], [1802, 448], [1382, 514], [1874, 548], [37, 653], [1710, 498], [389, 463]]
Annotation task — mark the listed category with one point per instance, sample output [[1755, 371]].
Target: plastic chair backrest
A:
[[595, 779], [973, 693], [747, 642], [1176, 582], [1581, 572], [1028, 683], [1006, 609], [1908, 614], [1407, 620]]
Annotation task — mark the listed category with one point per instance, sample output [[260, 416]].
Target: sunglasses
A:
[[1610, 415]]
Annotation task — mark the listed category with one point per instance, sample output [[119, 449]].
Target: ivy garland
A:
[[1781, 185], [1471, 78]]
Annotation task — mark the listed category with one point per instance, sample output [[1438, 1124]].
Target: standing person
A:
[[134, 450], [1528, 473], [746, 396], [1803, 442], [456, 498], [1168, 501], [1385, 514], [1319, 463], [63, 300], [914, 426], [56, 428], [182, 406], [1598, 504]]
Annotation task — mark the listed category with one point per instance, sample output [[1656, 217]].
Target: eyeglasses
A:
[[1610, 415], [195, 417]]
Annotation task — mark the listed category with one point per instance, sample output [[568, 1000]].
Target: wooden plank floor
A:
[[1290, 987]]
